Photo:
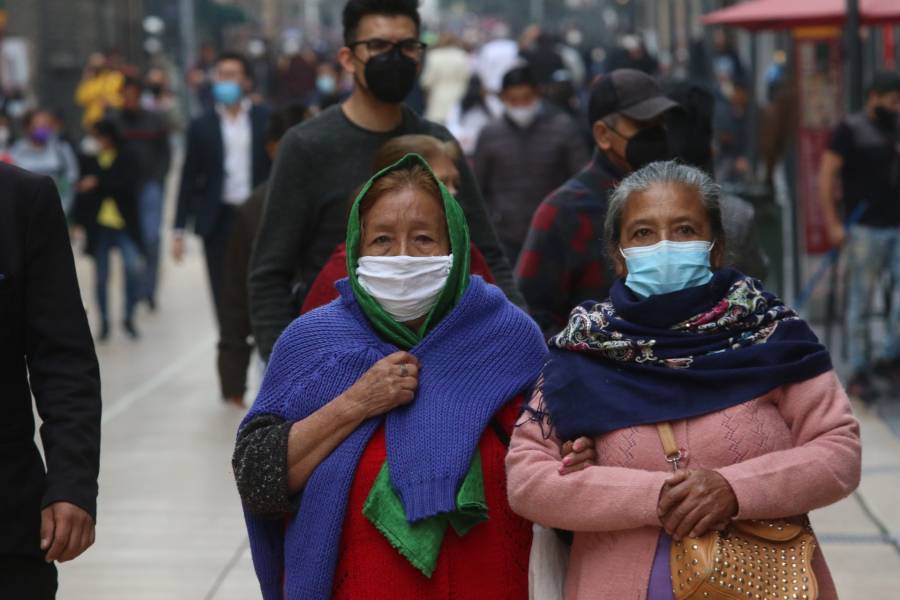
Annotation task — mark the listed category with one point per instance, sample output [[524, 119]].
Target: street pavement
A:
[[169, 520]]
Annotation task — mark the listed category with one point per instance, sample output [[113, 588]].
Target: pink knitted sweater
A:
[[786, 453]]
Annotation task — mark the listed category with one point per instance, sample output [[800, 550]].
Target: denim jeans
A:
[[107, 239], [151, 207], [872, 253]]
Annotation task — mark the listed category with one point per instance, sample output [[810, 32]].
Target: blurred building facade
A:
[[61, 34]]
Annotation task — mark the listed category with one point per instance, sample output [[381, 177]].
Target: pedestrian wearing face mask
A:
[[865, 153], [442, 158], [146, 134], [524, 155], [328, 91], [321, 162], [107, 207], [559, 266], [225, 160], [371, 464], [691, 366], [42, 152]]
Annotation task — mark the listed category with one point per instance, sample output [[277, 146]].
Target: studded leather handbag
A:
[[750, 559]]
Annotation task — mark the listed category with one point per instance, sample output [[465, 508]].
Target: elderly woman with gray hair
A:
[[693, 365]]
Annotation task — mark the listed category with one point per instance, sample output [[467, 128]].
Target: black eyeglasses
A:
[[411, 47]]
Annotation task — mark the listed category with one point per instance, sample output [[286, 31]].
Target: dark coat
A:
[[119, 182], [518, 167], [203, 174], [45, 350], [235, 331]]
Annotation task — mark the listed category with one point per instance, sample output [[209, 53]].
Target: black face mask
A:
[[390, 76], [156, 89], [647, 146], [885, 118]]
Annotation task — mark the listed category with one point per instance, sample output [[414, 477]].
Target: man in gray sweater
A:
[[322, 161]]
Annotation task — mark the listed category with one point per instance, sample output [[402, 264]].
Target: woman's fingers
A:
[[575, 458], [583, 443], [408, 383], [678, 501], [574, 468], [406, 370], [709, 522], [402, 357], [689, 521], [674, 491]]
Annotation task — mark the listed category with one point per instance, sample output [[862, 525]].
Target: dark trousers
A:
[[27, 578], [134, 265], [214, 246]]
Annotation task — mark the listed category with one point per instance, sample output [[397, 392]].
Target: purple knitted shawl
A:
[[479, 357]]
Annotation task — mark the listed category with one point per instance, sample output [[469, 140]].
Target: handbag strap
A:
[[670, 446]]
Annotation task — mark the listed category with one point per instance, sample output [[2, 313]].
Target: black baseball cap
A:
[[519, 74], [628, 92]]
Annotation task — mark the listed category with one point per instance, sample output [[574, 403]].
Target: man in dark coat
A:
[[236, 333], [224, 162], [45, 350], [524, 155]]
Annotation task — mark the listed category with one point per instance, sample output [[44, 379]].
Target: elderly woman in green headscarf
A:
[[372, 462]]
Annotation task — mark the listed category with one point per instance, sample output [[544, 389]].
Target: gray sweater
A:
[[320, 165]]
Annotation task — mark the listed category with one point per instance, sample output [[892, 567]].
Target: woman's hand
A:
[[391, 382], [577, 455], [694, 502]]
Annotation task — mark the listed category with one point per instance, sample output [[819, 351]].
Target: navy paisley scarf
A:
[[631, 361]]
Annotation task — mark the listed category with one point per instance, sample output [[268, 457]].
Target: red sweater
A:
[[323, 291], [491, 561]]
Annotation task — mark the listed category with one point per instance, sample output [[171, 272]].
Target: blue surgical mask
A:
[[227, 92], [326, 84], [667, 267]]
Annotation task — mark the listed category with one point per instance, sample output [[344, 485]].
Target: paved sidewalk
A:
[[170, 525]]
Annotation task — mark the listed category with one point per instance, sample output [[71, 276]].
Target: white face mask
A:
[[525, 115], [406, 287]]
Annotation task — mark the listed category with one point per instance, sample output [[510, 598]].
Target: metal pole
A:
[[753, 113], [312, 18], [854, 56], [188, 33]]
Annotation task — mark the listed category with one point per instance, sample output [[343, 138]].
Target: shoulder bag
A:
[[751, 559]]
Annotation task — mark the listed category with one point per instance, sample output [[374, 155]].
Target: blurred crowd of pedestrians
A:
[[546, 124]]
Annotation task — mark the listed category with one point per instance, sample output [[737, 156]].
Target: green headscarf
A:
[[419, 543], [457, 282]]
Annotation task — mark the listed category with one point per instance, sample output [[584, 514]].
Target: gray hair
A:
[[663, 172]]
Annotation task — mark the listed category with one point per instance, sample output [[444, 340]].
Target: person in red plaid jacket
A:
[[562, 262]]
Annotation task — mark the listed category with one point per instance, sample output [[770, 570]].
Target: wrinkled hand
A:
[[694, 502], [66, 531], [391, 382], [577, 455]]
